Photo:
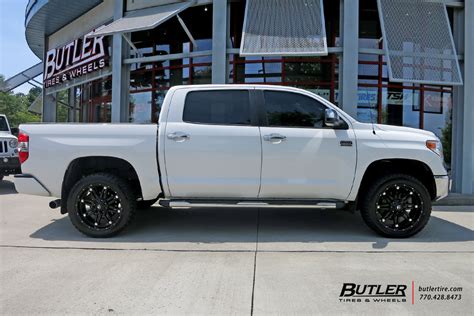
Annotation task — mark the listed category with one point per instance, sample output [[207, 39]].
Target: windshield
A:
[[3, 124]]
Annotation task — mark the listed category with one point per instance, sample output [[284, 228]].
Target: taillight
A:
[[23, 146]]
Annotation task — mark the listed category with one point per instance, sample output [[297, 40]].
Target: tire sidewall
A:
[[372, 201], [116, 185]]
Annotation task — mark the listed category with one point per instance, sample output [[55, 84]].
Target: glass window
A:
[[3, 124], [286, 109], [226, 107]]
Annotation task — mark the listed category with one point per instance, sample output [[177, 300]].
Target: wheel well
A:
[[414, 168], [85, 166]]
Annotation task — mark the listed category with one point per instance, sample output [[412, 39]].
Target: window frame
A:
[[264, 118], [254, 117]]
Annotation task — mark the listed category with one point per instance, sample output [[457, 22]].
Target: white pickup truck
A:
[[235, 146]]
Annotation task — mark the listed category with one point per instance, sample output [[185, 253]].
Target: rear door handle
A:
[[178, 136], [274, 137]]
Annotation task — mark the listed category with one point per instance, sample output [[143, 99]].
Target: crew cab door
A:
[[212, 144], [301, 157]]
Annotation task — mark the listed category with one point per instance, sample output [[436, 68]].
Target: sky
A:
[[15, 55]]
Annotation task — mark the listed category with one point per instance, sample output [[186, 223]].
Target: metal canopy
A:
[[23, 77], [419, 42], [283, 27], [144, 19]]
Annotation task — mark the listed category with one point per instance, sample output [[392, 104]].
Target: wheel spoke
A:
[[399, 206]]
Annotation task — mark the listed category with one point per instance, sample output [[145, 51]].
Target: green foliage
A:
[[15, 106], [62, 110]]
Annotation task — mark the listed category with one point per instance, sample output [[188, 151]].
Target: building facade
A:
[[399, 62]]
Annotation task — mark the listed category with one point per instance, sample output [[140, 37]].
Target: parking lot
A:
[[225, 261]]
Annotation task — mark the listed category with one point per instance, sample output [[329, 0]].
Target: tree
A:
[[15, 106]]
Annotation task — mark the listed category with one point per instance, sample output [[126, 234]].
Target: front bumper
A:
[[9, 165], [442, 187]]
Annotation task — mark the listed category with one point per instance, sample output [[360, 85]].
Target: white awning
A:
[[144, 19], [284, 28], [419, 43]]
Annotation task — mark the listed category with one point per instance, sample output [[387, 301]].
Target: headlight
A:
[[435, 146], [13, 143]]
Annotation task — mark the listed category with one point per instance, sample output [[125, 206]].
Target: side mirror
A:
[[15, 131], [332, 119]]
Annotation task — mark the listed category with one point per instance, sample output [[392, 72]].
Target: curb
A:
[[456, 199]]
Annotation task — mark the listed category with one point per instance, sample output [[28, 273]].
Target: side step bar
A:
[[262, 204]]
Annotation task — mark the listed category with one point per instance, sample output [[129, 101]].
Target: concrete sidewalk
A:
[[224, 261]]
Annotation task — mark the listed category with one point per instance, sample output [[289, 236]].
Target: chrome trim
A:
[[184, 204], [442, 186], [274, 137]]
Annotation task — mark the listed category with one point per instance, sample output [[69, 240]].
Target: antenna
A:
[[370, 110]]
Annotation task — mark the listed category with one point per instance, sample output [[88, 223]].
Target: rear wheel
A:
[[396, 206], [101, 205]]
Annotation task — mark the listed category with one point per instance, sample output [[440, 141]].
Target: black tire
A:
[[145, 204], [101, 205], [396, 206], [1, 178]]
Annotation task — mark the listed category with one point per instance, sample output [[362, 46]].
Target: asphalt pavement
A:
[[228, 261]]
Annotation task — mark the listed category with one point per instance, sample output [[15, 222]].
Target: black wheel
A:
[[1, 178], [396, 206], [143, 205], [101, 205]]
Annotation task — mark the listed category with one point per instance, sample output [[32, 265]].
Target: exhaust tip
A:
[[55, 204]]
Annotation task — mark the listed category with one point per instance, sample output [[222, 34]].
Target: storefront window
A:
[[316, 74], [93, 101], [397, 103], [150, 81]]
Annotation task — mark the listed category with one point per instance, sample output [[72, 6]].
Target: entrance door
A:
[[212, 149], [301, 157]]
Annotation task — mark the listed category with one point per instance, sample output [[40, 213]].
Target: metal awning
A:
[[284, 28], [37, 105], [419, 43], [23, 77], [144, 19]]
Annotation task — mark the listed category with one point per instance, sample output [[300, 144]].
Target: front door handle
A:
[[274, 138], [178, 136]]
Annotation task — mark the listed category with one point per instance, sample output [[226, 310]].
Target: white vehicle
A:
[[9, 163], [235, 146]]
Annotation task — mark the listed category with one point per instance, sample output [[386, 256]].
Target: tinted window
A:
[[293, 110], [225, 107], [3, 124]]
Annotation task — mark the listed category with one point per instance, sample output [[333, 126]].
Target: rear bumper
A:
[[9, 165], [28, 184], [442, 187]]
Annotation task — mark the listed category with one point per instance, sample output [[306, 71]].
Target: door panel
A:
[[301, 157], [308, 163], [205, 160]]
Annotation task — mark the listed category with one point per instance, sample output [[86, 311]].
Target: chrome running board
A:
[[254, 204]]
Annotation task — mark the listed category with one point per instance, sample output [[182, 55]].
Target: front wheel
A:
[[396, 206], [101, 205]]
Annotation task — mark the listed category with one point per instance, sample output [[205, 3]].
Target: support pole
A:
[[219, 40], [350, 57]]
